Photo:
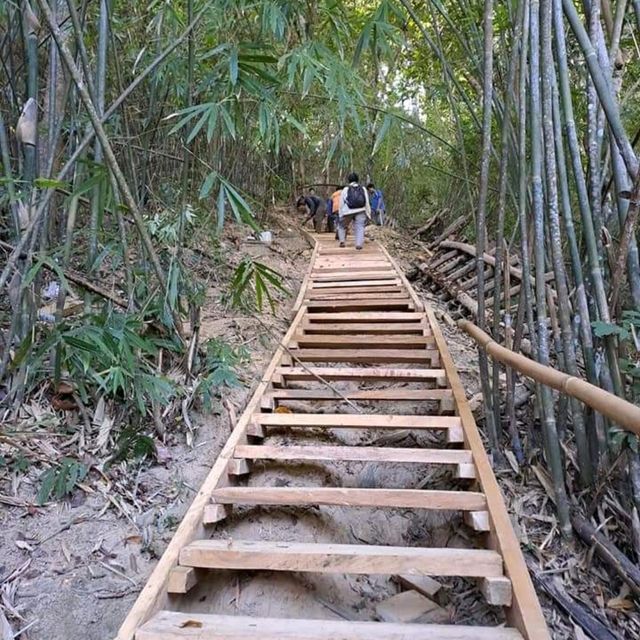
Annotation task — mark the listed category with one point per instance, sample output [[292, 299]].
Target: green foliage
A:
[[107, 354], [59, 480], [132, 443], [258, 279], [221, 363]]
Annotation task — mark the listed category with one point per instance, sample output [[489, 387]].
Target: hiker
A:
[[333, 209], [377, 204], [354, 205], [315, 208]]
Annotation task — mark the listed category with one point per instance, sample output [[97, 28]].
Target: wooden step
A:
[[432, 500], [356, 421], [356, 305], [362, 341], [360, 373], [352, 276], [340, 558], [391, 395], [366, 356], [374, 288], [382, 328], [366, 316], [350, 285], [170, 625], [349, 295], [361, 454], [355, 265]]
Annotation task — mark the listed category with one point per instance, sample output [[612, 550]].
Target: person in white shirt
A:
[[354, 205]]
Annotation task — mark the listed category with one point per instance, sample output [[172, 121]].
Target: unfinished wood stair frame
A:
[[342, 338]]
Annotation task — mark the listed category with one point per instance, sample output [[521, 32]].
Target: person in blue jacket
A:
[[377, 204]]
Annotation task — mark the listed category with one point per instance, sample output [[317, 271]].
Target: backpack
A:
[[355, 197]]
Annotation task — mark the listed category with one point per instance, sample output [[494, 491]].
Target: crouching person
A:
[[354, 207]]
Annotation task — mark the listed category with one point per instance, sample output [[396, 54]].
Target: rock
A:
[[410, 606]]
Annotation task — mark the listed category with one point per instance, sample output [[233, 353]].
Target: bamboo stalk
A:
[[552, 444], [487, 101]]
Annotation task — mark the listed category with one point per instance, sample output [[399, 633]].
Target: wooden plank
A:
[[154, 593], [364, 454], [353, 497], [366, 356], [349, 284], [367, 316], [525, 613], [389, 395], [360, 373], [181, 580], [363, 327], [374, 288], [379, 274], [353, 265], [305, 283], [170, 625], [340, 558], [361, 341], [355, 421], [349, 295], [355, 304], [497, 591]]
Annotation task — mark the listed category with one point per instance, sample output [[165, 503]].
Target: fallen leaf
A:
[[282, 409], [620, 604], [191, 624]]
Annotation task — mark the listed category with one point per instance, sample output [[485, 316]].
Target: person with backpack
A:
[[333, 209], [377, 204], [354, 206], [315, 208]]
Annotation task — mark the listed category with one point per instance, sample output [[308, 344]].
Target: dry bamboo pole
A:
[[552, 444], [618, 410]]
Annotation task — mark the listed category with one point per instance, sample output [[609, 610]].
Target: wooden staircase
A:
[[357, 321]]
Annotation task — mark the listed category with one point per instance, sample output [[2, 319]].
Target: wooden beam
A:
[[382, 328], [181, 579], [214, 513], [351, 497], [360, 373], [373, 288], [347, 284], [355, 421], [313, 341], [356, 305], [362, 454], [375, 356], [497, 591], [171, 625], [379, 274], [525, 612], [340, 558], [366, 316], [350, 295], [391, 395]]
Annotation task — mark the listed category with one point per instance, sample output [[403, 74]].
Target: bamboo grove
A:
[[130, 135]]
